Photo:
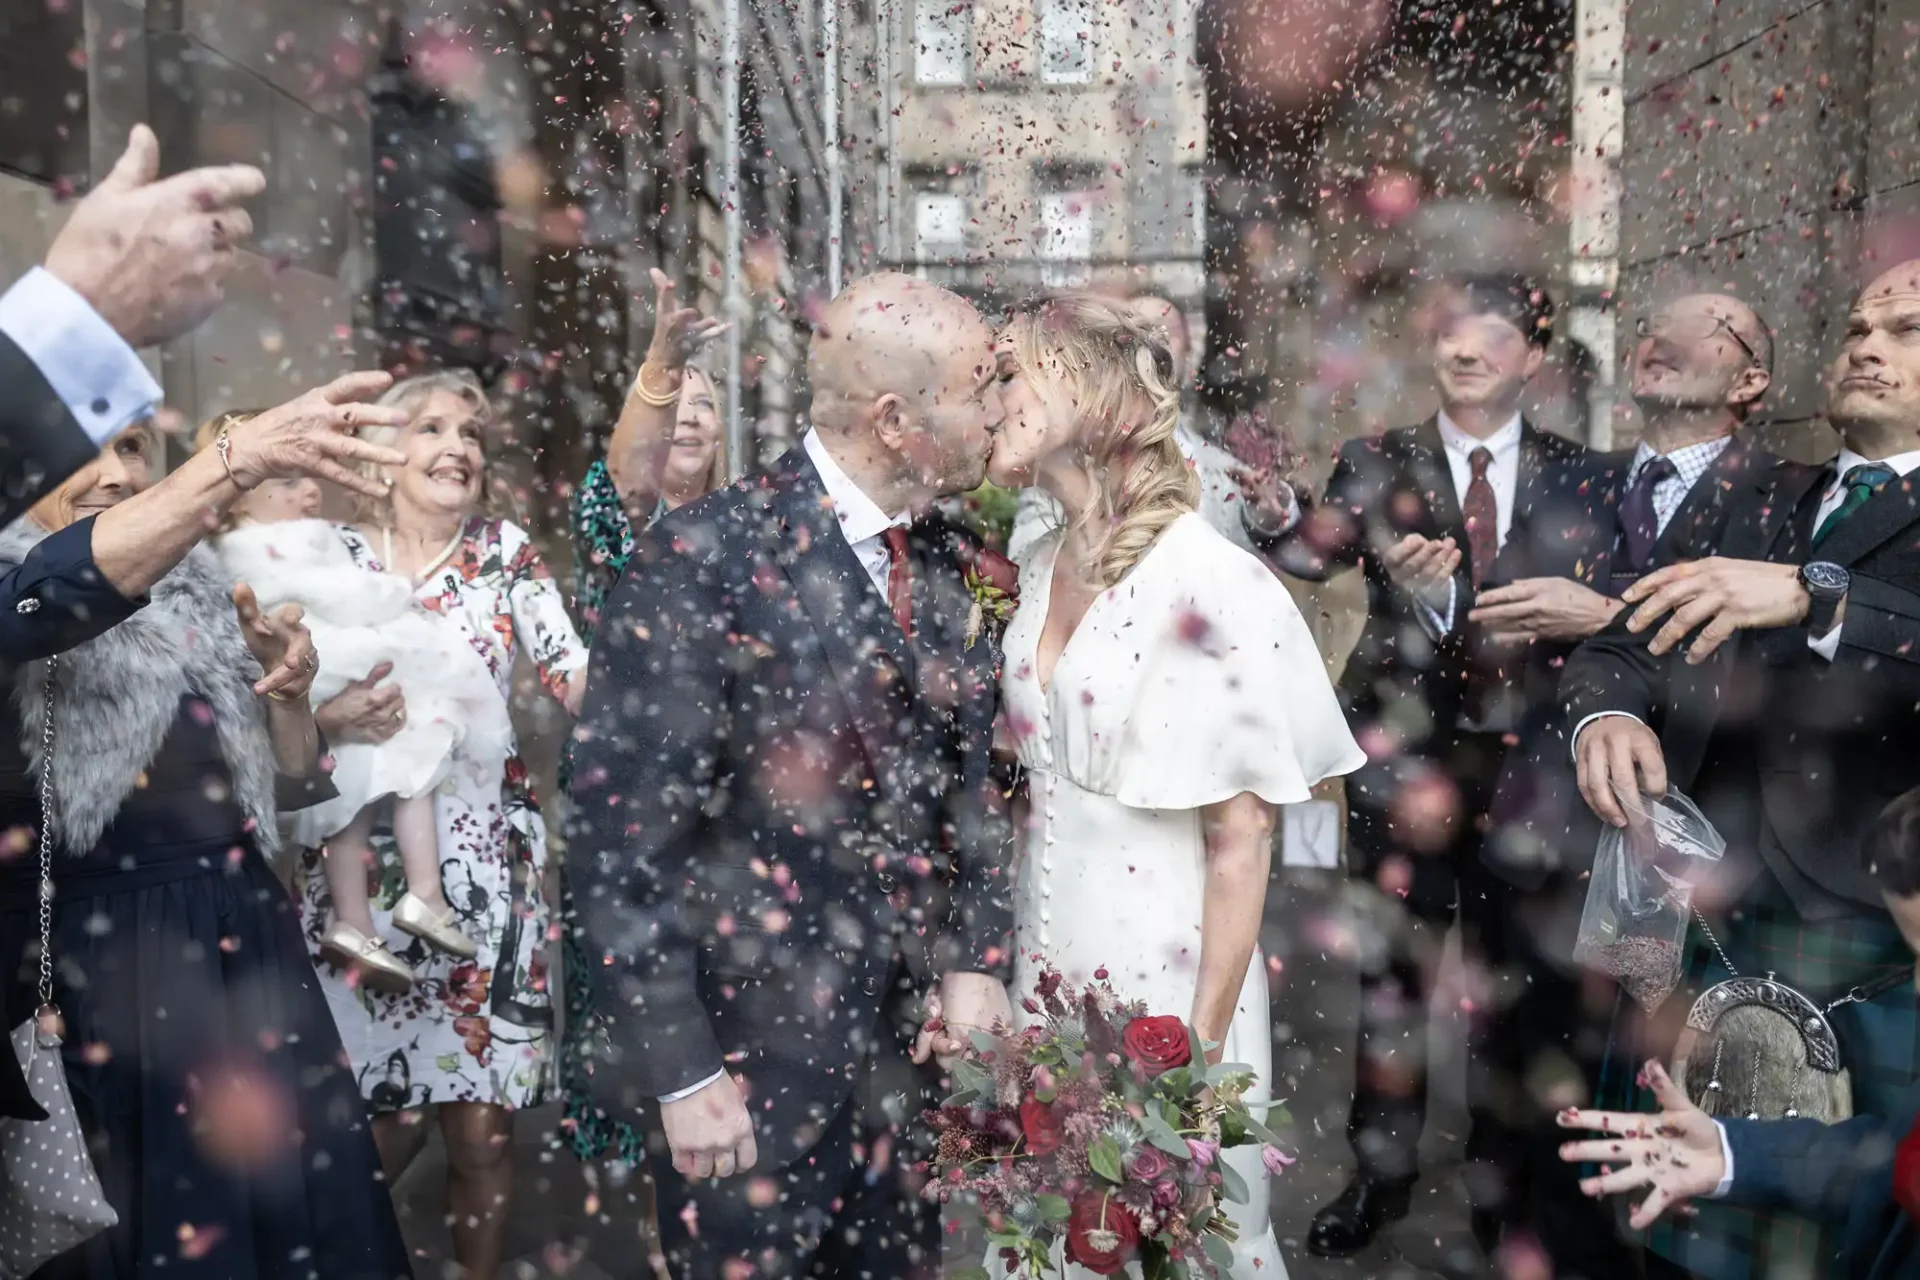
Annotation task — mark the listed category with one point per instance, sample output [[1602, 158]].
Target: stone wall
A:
[[270, 82], [1772, 151]]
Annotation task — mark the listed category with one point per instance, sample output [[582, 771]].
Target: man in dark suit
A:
[[138, 262], [1861, 1177], [1438, 515], [1703, 362], [1775, 683], [787, 820]]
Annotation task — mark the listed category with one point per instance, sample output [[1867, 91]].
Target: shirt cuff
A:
[[1828, 645], [1573, 743], [1726, 1164], [90, 367], [692, 1089], [1439, 625]]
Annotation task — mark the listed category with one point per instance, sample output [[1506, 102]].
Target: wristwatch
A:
[[1826, 584]]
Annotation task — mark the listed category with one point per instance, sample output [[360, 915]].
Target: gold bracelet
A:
[[657, 399], [278, 696], [223, 448]]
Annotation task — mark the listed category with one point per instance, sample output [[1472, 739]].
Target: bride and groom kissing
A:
[[791, 849]]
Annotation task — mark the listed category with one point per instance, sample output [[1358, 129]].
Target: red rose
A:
[[1102, 1234], [1040, 1127], [1157, 1044], [1906, 1173], [991, 568]]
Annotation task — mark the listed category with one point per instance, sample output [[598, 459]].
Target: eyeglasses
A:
[[1697, 328]]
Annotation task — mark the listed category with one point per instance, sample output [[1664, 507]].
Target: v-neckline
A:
[[1045, 686]]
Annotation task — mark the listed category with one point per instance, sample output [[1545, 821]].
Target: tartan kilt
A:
[[1879, 1046]]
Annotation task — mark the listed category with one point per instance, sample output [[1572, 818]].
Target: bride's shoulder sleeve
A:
[[1233, 694]]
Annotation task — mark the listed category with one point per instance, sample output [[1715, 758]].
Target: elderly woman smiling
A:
[[151, 704], [471, 1038]]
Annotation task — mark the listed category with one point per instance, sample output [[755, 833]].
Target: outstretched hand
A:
[[1675, 1154], [678, 332], [280, 643]]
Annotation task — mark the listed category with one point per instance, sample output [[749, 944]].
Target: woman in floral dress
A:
[[472, 1038], [674, 407]]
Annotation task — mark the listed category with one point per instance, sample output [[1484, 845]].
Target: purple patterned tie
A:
[[1639, 522]]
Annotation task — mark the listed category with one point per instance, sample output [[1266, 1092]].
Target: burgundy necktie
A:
[[899, 578], [1483, 518], [1639, 521]]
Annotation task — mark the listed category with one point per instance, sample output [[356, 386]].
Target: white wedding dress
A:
[[1190, 681]]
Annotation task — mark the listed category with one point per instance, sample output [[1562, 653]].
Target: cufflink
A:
[[100, 407], [30, 605]]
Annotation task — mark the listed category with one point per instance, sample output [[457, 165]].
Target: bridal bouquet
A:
[[1098, 1130]]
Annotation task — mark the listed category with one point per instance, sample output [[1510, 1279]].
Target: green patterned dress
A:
[[602, 544]]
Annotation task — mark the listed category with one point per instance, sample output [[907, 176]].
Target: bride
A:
[[1164, 695]]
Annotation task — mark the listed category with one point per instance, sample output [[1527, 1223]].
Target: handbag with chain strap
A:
[[50, 1196], [1758, 1049]]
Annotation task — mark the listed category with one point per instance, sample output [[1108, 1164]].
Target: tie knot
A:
[[1480, 459], [895, 536], [1867, 475], [1658, 468]]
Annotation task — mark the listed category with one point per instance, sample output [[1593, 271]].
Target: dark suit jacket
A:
[[51, 601], [1540, 824], [1840, 1175], [1786, 753], [1385, 487], [779, 798], [40, 443]]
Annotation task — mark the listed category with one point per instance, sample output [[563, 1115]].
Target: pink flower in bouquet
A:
[[1276, 1160], [1158, 1044], [1102, 1234], [1166, 1194], [1040, 1127], [1203, 1152], [1146, 1164]]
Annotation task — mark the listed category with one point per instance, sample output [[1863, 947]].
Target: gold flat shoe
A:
[[411, 915], [345, 947]]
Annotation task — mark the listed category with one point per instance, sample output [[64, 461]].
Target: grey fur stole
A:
[[117, 695]]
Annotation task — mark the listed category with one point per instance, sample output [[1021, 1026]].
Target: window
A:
[[939, 227], [1066, 41], [1066, 238], [1197, 210], [943, 41]]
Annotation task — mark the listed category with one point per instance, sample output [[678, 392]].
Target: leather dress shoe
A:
[[1347, 1225]]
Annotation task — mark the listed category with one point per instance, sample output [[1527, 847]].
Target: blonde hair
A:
[[1119, 377], [410, 394], [718, 474]]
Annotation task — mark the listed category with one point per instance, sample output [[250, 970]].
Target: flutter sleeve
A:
[[1233, 695]]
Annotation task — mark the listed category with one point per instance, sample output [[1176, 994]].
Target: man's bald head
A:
[[903, 370], [1702, 351], [1873, 385]]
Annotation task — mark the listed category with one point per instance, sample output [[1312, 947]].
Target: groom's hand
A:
[[709, 1132], [965, 1002]]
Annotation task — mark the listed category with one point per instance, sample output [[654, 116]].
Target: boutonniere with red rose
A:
[[994, 583]]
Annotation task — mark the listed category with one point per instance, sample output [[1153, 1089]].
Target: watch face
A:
[[1825, 576]]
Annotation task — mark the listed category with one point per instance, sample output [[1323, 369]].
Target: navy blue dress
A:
[[204, 1064]]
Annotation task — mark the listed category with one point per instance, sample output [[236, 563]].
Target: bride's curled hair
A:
[[1118, 376]]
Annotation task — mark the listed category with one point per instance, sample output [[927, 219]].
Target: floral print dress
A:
[[477, 1030]]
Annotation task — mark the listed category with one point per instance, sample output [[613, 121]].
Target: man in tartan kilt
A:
[[1790, 717]]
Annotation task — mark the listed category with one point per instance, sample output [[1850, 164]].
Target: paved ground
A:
[[561, 1229]]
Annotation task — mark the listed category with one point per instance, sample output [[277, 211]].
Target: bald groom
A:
[[787, 831]]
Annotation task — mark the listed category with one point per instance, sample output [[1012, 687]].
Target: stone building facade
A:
[[1772, 150]]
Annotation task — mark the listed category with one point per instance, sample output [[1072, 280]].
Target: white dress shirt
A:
[[861, 519], [90, 367], [1689, 464], [1503, 475], [861, 523], [1829, 644]]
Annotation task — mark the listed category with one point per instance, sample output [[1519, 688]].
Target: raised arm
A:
[[643, 434]]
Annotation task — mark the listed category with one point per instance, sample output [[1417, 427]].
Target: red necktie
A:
[[899, 578], [1483, 518]]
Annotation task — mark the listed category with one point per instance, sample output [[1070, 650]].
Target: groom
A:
[[787, 825]]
